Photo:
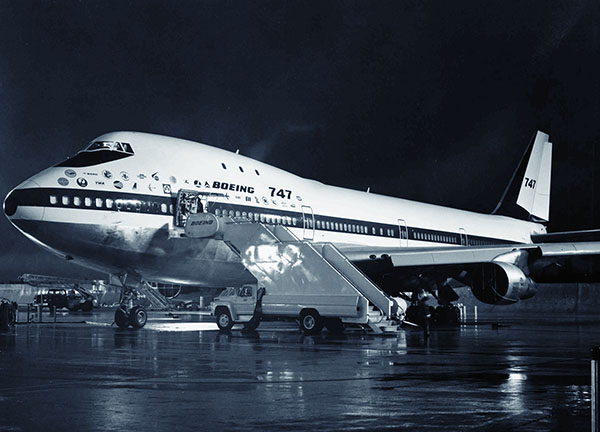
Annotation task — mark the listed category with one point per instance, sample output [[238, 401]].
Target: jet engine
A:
[[500, 283]]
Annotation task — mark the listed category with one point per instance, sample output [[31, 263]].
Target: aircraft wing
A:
[[511, 270], [405, 257]]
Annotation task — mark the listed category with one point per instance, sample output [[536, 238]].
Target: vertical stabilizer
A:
[[534, 194]]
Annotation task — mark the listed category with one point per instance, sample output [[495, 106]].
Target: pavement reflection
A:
[[183, 374]]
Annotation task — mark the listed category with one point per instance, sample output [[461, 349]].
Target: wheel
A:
[[224, 321], [311, 322], [452, 315], [121, 318], [334, 325], [138, 317]]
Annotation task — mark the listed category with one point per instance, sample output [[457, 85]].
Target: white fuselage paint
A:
[[161, 166]]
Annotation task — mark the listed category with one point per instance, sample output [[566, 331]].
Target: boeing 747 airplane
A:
[[123, 205]]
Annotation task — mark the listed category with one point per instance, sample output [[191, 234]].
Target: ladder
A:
[[283, 263]]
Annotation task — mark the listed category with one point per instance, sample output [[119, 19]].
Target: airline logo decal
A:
[[232, 187]]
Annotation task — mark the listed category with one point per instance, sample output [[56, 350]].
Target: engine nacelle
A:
[[500, 283]]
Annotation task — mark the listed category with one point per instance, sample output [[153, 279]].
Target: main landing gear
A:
[[129, 314], [443, 316]]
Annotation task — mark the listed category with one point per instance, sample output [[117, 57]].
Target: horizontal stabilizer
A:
[[567, 236]]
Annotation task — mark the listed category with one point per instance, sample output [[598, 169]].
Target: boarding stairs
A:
[[275, 256], [156, 300]]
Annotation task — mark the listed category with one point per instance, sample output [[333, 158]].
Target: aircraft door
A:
[[464, 240], [188, 202], [308, 223], [403, 232]]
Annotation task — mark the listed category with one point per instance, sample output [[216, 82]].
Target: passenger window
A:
[[76, 201], [256, 171], [241, 169], [256, 217], [327, 224], [380, 231], [318, 224], [245, 215], [294, 221], [238, 214], [109, 203], [53, 199], [170, 208], [88, 201], [223, 165], [337, 227], [262, 217], [231, 213], [218, 212], [163, 207]]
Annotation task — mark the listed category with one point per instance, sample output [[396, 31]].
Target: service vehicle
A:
[[248, 305], [61, 298]]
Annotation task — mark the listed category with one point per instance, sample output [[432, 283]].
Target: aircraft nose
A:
[[10, 204], [20, 203]]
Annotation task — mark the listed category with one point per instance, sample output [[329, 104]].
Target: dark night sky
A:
[[432, 101]]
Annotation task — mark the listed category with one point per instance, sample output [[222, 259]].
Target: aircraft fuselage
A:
[[113, 208]]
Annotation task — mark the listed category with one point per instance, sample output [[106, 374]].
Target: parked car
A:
[[60, 298]]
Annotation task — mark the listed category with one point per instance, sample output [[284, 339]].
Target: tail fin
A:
[[533, 192], [534, 195]]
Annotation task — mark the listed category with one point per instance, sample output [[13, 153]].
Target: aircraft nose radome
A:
[[10, 204], [16, 205]]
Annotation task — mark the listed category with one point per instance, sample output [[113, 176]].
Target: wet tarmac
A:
[[181, 374]]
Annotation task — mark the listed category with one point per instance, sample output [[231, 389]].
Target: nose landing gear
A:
[[135, 317], [128, 314]]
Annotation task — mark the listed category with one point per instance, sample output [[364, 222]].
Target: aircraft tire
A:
[[138, 317], [334, 325], [223, 319], [121, 318], [311, 322]]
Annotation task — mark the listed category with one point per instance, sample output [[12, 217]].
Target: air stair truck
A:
[[313, 283]]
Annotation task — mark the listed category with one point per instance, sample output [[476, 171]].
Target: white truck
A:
[[248, 305]]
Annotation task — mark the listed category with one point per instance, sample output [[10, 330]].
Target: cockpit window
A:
[[110, 145], [99, 152]]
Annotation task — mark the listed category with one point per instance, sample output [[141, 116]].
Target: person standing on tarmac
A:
[[423, 311]]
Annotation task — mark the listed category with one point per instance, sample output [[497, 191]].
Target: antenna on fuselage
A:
[[237, 151], [369, 189]]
